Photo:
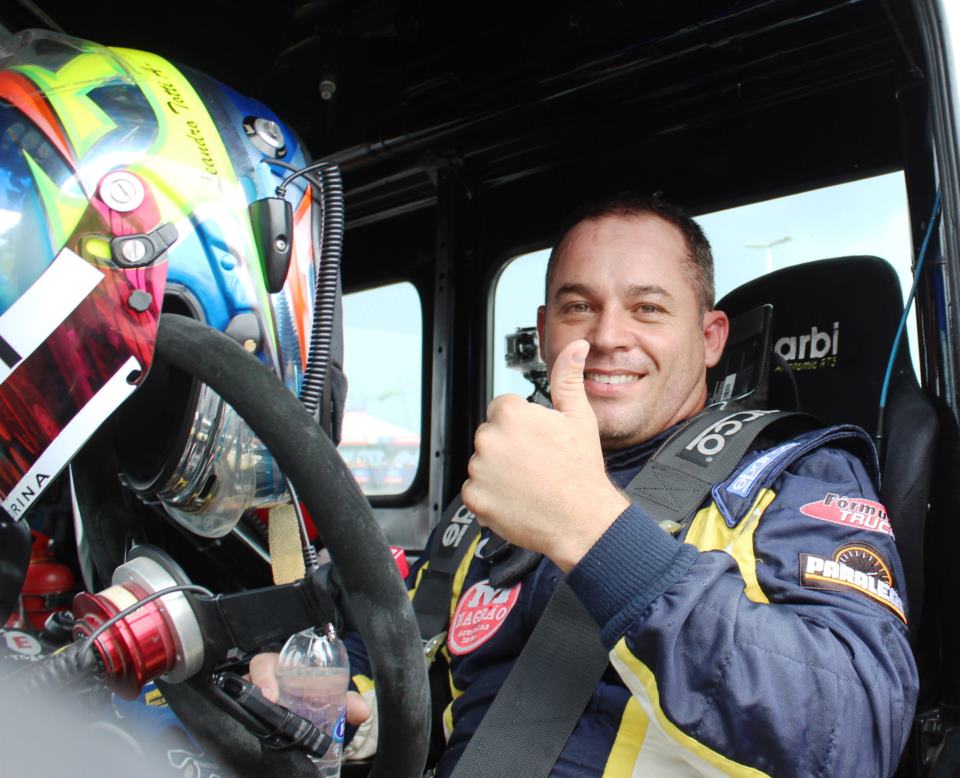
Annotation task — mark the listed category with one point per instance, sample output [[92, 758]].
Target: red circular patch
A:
[[480, 613]]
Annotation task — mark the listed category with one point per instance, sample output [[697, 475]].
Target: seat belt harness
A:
[[529, 721], [451, 540]]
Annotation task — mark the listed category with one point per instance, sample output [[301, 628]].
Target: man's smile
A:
[[611, 378], [610, 383]]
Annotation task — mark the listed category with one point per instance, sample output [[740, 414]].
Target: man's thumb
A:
[[566, 380]]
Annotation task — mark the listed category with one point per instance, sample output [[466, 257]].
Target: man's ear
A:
[[541, 321], [716, 328]]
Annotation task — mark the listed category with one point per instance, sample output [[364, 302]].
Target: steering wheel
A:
[[375, 595]]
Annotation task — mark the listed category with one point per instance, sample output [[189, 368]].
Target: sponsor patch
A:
[[746, 480], [854, 567], [480, 613], [853, 512]]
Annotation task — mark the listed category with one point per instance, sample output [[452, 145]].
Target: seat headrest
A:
[[834, 322]]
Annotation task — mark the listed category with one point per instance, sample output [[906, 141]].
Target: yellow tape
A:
[[286, 553]]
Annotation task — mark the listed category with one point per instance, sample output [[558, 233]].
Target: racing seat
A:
[[834, 323]]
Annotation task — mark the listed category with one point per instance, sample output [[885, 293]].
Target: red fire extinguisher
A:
[[48, 587]]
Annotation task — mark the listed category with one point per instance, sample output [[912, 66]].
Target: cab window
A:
[[383, 341]]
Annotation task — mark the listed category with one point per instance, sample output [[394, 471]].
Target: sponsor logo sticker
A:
[[853, 512], [746, 480], [811, 350], [22, 643], [480, 613], [854, 567]]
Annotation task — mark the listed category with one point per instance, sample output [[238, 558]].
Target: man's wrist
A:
[[577, 538], [631, 565]]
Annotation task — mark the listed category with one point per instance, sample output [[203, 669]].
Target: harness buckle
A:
[[432, 646]]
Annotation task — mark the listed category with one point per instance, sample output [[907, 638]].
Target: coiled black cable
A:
[[332, 224], [329, 185]]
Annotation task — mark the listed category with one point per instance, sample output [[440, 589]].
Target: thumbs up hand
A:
[[537, 476]]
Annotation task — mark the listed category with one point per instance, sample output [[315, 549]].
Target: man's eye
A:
[[648, 309], [576, 308]]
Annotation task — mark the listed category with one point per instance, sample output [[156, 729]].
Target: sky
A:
[[383, 353]]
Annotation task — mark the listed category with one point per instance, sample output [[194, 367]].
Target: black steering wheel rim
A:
[[375, 595]]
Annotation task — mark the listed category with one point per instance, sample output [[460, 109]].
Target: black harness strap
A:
[[453, 537], [536, 709], [678, 477]]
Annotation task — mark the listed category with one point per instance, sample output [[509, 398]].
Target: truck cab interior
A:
[[795, 130]]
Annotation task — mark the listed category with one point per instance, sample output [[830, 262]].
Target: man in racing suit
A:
[[767, 635]]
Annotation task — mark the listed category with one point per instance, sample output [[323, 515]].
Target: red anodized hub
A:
[[137, 648]]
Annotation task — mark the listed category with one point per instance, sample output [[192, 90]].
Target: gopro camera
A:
[[523, 354]]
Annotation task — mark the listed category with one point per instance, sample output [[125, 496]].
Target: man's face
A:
[[621, 283]]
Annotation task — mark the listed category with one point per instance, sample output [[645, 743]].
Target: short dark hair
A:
[[628, 205]]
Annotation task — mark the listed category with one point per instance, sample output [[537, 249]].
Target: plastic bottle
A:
[[313, 674]]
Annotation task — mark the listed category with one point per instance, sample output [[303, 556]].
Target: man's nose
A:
[[611, 331]]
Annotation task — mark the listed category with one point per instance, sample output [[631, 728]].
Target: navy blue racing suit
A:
[[768, 637]]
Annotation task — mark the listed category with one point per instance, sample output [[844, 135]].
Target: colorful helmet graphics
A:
[[126, 186]]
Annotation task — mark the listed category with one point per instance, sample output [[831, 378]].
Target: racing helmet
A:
[[131, 186]]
